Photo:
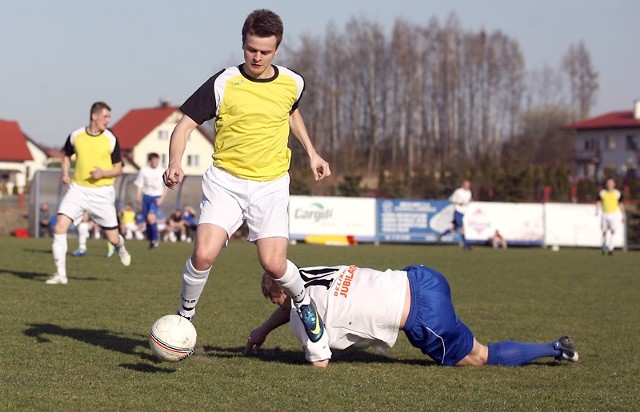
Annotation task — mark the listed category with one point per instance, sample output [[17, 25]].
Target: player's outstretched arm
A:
[[319, 167], [174, 173], [256, 337]]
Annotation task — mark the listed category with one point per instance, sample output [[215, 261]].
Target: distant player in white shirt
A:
[[460, 198], [151, 193], [364, 307]]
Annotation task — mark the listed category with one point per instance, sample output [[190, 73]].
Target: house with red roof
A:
[[610, 141], [20, 158], [148, 130]]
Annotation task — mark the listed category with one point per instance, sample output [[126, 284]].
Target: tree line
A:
[[423, 106]]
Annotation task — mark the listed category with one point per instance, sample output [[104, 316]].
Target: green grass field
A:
[[83, 346]]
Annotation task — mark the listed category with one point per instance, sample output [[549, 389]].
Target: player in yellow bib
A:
[[610, 203], [98, 163], [255, 107]]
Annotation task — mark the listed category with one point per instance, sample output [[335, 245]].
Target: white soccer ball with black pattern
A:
[[172, 338]]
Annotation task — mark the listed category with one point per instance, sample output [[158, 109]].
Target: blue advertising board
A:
[[413, 221]]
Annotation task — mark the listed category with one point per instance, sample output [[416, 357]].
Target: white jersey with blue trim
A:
[[360, 307], [460, 198]]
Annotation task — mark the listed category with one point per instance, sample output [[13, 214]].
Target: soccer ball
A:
[[172, 338]]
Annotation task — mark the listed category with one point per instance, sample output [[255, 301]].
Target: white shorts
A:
[[228, 200], [611, 221], [99, 202]]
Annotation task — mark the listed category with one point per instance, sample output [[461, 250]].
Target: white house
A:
[[20, 158], [144, 131], [609, 141]]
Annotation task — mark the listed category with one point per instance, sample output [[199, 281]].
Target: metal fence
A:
[[47, 187]]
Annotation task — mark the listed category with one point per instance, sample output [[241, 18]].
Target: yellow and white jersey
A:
[[360, 307], [101, 151], [252, 120], [610, 200]]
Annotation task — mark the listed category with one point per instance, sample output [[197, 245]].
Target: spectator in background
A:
[[176, 228], [498, 241], [128, 224], [190, 220], [46, 224]]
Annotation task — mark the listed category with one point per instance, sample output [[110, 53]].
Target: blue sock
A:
[[464, 240], [154, 232], [511, 353]]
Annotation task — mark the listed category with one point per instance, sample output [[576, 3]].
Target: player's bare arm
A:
[[174, 173], [319, 166], [64, 166], [98, 173], [256, 338]]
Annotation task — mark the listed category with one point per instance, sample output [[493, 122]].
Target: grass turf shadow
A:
[[103, 338], [296, 357], [41, 277]]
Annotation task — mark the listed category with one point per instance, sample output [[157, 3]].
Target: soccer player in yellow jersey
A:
[[98, 163], [255, 107], [610, 203]]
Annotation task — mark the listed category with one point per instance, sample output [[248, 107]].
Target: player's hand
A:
[[254, 341], [172, 176], [319, 167], [97, 173], [66, 180]]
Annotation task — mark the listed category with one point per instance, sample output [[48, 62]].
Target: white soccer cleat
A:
[[56, 279], [125, 257]]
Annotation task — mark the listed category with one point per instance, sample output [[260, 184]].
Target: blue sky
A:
[[58, 57]]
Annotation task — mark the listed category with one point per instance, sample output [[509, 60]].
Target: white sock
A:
[[59, 249], [610, 241], [193, 282], [120, 246], [83, 235], [292, 283]]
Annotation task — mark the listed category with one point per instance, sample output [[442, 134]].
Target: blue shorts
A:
[[149, 205], [432, 324], [457, 219]]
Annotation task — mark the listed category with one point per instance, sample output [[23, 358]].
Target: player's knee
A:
[[200, 262], [202, 259], [274, 268]]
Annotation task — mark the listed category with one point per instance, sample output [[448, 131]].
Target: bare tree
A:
[[583, 79]]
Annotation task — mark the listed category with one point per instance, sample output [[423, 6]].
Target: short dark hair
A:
[[153, 155], [98, 106], [263, 23]]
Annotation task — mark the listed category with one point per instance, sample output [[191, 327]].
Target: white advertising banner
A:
[[569, 224], [519, 223], [329, 215]]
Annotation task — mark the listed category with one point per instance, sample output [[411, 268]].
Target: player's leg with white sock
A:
[[293, 285], [59, 250], [193, 283], [83, 235], [610, 245], [511, 353]]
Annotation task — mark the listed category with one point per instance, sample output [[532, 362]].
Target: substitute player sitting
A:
[[364, 307]]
